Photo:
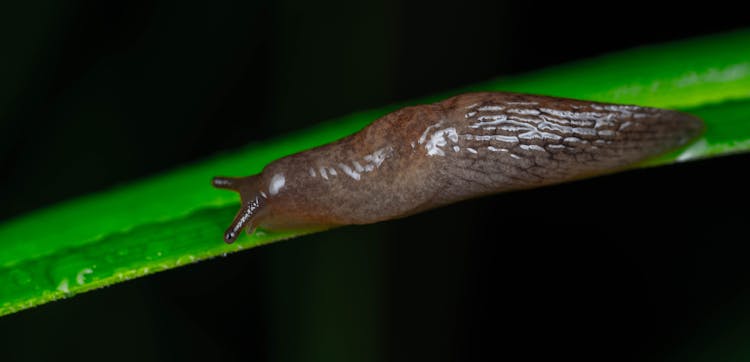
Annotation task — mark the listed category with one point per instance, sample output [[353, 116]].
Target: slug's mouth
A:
[[249, 210]]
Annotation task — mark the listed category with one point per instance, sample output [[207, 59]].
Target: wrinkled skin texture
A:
[[470, 145]]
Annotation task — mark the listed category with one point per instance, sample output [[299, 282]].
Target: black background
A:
[[646, 265]]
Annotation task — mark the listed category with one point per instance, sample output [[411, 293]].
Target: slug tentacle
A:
[[227, 183], [253, 201], [244, 219]]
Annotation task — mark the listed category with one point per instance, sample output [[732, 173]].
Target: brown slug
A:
[[474, 144]]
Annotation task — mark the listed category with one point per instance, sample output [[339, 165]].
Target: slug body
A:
[[422, 157]]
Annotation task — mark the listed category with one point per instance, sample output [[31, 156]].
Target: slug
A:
[[470, 145]]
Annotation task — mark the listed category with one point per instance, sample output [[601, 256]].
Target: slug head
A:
[[252, 204]]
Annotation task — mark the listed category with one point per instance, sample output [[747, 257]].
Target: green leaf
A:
[[176, 218]]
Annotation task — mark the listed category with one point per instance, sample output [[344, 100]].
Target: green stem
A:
[[176, 218]]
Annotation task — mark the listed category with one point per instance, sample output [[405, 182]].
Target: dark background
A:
[[647, 265]]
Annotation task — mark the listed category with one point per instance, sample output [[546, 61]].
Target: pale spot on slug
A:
[[376, 158], [358, 167], [501, 138], [423, 137], [533, 148], [533, 112], [549, 126], [539, 135], [493, 120], [604, 122], [348, 170], [532, 121], [312, 172], [437, 140], [559, 113], [323, 173], [490, 108], [514, 125], [584, 131], [452, 134], [277, 182], [495, 149]]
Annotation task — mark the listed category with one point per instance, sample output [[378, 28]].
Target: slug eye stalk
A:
[[226, 183], [247, 213]]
